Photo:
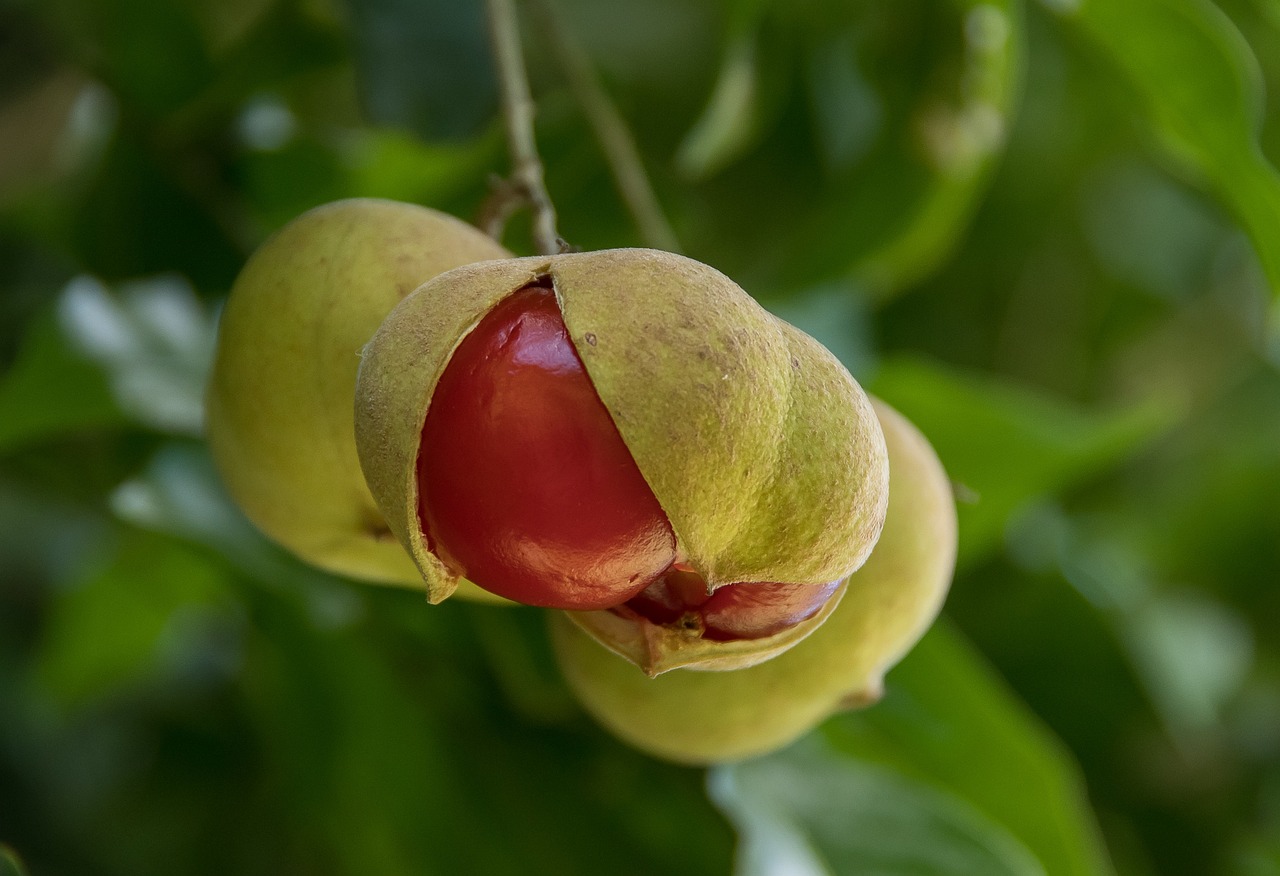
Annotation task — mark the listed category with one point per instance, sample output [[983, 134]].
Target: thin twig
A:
[[610, 128], [517, 113], [503, 201]]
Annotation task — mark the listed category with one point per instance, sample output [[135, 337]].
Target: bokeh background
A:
[[1049, 232]]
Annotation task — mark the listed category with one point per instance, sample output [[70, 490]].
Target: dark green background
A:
[[1048, 232]]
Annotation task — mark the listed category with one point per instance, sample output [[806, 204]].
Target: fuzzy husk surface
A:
[[764, 453], [711, 717], [279, 415]]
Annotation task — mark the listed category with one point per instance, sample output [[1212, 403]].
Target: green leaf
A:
[[109, 359], [729, 123], [1004, 446], [44, 540], [902, 214], [395, 749], [948, 721], [154, 339], [52, 390], [514, 641], [145, 611], [1193, 653], [878, 156], [812, 812], [732, 120], [10, 863], [1200, 90], [180, 494]]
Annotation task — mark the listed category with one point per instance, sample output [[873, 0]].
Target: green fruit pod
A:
[[764, 454], [278, 405], [712, 717]]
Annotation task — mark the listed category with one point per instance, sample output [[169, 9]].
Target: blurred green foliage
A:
[[1048, 232]]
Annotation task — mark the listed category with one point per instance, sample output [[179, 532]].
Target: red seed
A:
[[734, 611], [525, 486]]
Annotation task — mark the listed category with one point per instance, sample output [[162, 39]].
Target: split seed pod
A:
[[713, 717], [278, 405], [763, 454]]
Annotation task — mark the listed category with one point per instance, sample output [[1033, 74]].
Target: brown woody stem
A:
[[517, 113], [611, 131]]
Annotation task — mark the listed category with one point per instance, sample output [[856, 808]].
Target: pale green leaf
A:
[[10, 863], [811, 812], [729, 123], [153, 339], [1200, 91], [948, 721]]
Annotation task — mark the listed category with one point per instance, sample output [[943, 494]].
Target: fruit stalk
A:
[[517, 115], [611, 130]]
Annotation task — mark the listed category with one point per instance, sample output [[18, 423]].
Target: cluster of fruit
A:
[[736, 540]]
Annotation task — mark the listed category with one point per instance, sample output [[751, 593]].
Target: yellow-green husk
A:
[[279, 401], [764, 453], [710, 717]]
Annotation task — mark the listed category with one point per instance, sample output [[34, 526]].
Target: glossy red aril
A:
[[733, 612], [525, 486]]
